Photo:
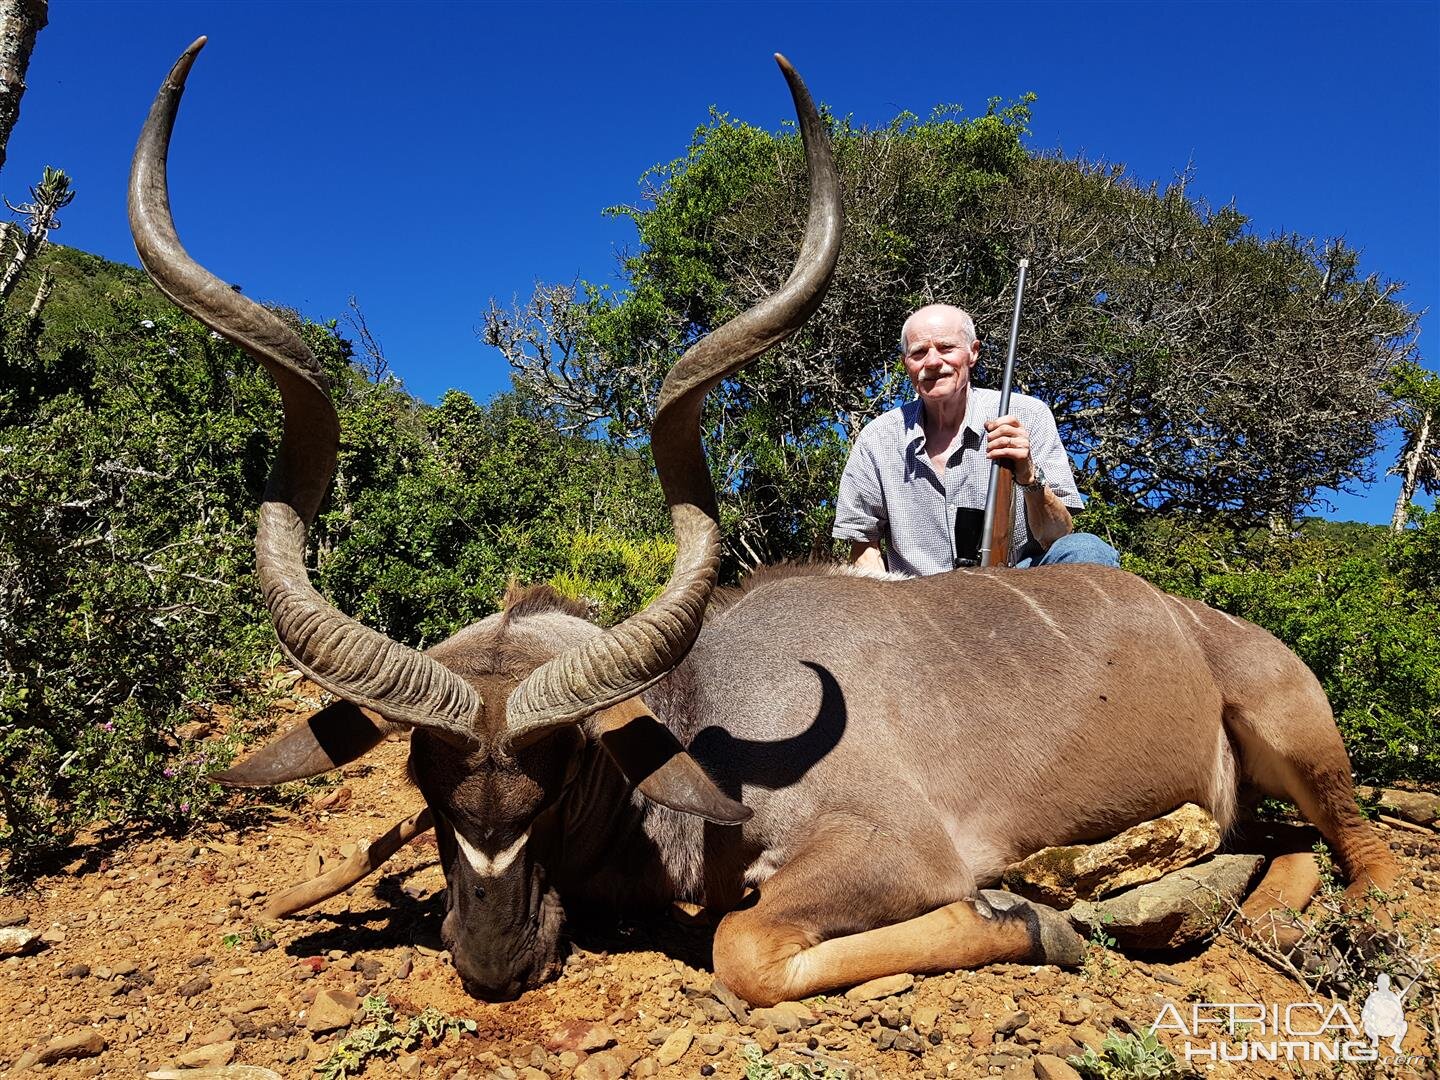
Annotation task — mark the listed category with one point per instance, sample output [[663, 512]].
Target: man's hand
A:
[[1008, 442], [866, 555]]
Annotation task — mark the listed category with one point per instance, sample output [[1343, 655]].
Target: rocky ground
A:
[[154, 957]]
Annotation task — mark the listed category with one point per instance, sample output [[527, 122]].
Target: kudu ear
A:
[[325, 740], [654, 761]]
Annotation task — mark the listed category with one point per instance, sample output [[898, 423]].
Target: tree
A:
[[1192, 364], [20, 22], [1417, 401]]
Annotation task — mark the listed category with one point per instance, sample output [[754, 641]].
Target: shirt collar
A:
[[974, 421]]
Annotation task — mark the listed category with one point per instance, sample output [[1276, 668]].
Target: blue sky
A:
[[428, 157]]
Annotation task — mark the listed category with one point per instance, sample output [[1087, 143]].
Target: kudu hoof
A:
[[1054, 941]]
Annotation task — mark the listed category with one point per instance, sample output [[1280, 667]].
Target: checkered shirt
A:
[[889, 490]]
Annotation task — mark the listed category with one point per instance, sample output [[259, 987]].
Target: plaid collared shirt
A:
[[889, 490]]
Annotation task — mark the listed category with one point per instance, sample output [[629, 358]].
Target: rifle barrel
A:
[[989, 522]]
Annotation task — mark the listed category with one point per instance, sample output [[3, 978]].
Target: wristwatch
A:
[[1037, 483]]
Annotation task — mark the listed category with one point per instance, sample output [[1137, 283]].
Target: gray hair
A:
[[967, 324]]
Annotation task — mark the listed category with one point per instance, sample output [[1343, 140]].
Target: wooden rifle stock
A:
[[1001, 527]]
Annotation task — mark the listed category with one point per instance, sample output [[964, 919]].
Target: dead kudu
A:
[[853, 749]]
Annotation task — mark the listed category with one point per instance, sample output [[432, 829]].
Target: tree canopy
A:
[[1192, 364]]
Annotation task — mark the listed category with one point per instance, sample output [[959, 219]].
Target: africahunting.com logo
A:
[[1318, 1031]]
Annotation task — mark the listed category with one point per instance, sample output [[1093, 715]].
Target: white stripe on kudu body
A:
[[490, 865]]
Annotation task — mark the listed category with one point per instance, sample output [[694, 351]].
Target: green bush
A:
[[134, 447]]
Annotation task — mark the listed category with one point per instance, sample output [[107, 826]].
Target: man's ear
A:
[[335, 735], [654, 761]]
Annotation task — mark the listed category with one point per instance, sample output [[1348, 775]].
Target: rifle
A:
[[996, 526]]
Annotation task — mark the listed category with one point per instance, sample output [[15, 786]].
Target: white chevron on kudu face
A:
[[490, 865]]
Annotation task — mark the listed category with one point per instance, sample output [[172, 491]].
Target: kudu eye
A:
[[479, 892]]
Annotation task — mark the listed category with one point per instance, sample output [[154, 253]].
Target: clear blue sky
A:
[[426, 157]]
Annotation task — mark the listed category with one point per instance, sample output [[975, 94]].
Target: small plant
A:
[[1100, 967], [381, 1038], [1128, 1057], [257, 936], [759, 1067]]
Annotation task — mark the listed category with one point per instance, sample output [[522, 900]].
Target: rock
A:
[[767, 1038], [582, 1035], [1179, 909], [333, 1010], [1088, 1036], [674, 1047], [196, 985], [785, 1017], [641, 1070], [1048, 1067], [908, 1042], [221, 1032], [408, 1064], [598, 1037], [1416, 807], [17, 941], [76, 971], [924, 1019], [1059, 876], [605, 1065], [880, 988], [25, 1062], [54, 935], [710, 1043], [84, 1043], [731, 1000], [208, 1057], [1012, 1023]]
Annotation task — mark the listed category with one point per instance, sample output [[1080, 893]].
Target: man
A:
[[918, 475]]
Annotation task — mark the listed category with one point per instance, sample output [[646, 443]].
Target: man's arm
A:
[[1049, 518], [1008, 442], [865, 554]]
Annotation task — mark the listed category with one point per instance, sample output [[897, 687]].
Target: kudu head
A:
[[494, 741]]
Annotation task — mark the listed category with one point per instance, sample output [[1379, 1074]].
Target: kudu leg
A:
[[1291, 749], [854, 907]]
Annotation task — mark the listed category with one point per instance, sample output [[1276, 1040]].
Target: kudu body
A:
[[894, 743]]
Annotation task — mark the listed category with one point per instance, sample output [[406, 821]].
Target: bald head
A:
[[940, 317]]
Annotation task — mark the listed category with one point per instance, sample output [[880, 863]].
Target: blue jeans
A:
[[1075, 548]]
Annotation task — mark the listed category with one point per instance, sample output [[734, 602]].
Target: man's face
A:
[[938, 356]]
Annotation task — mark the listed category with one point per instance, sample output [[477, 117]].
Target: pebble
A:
[[673, 1048], [76, 971], [1053, 1068], [886, 986], [332, 1010], [196, 985], [710, 1043], [208, 1057], [17, 940], [221, 1032], [84, 1043], [1012, 1023], [785, 1017]]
